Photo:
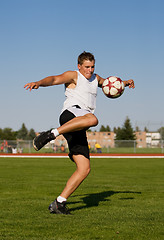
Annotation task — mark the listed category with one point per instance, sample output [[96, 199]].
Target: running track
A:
[[92, 155]]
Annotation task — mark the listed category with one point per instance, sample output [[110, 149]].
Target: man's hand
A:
[[32, 85], [129, 83]]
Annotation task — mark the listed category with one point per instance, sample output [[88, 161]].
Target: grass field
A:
[[121, 199]]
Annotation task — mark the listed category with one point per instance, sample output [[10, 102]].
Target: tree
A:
[[137, 129], [7, 134], [1, 133], [126, 132], [161, 131], [22, 133], [102, 128], [31, 134], [108, 128], [105, 129], [146, 129]]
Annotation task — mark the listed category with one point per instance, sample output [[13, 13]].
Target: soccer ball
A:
[[113, 87]]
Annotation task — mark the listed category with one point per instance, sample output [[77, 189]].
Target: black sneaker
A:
[[58, 208], [42, 139]]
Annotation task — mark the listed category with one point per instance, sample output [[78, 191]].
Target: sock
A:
[[61, 199], [55, 132]]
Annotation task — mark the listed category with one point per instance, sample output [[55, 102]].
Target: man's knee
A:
[[92, 120], [83, 165], [85, 172]]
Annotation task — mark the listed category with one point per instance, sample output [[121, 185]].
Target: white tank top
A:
[[84, 94]]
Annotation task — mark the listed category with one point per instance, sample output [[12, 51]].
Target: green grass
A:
[[122, 199]]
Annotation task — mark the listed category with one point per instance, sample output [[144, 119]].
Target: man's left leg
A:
[[82, 171]]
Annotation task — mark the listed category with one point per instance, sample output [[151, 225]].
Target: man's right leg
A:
[[78, 123], [73, 125]]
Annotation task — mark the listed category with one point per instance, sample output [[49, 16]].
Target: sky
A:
[[40, 38]]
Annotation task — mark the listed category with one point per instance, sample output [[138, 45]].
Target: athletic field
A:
[[122, 198]]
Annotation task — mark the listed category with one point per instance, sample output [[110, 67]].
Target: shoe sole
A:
[[34, 146]]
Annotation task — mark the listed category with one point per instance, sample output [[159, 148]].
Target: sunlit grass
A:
[[120, 199]]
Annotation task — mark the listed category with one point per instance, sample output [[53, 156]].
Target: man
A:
[[76, 117]]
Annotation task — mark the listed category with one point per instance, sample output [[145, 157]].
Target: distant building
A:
[[105, 139], [141, 139], [153, 139]]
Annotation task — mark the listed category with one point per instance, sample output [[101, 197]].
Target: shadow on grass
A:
[[93, 199]]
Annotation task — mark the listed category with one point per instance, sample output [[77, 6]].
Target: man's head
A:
[[85, 56], [86, 64]]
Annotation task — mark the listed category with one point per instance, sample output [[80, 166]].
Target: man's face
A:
[[87, 68]]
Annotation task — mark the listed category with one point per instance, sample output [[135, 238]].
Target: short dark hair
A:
[[85, 56]]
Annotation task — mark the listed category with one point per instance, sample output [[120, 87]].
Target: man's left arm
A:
[[129, 83]]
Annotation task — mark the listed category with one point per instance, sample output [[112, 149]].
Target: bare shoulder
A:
[[66, 77], [71, 75], [70, 78]]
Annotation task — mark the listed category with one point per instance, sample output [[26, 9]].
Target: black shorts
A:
[[77, 141]]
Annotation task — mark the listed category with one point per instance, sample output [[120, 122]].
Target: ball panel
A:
[[105, 82], [106, 90], [112, 79], [117, 84], [113, 91], [122, 85]]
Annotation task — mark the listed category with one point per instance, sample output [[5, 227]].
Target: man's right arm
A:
[[65, 78]]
